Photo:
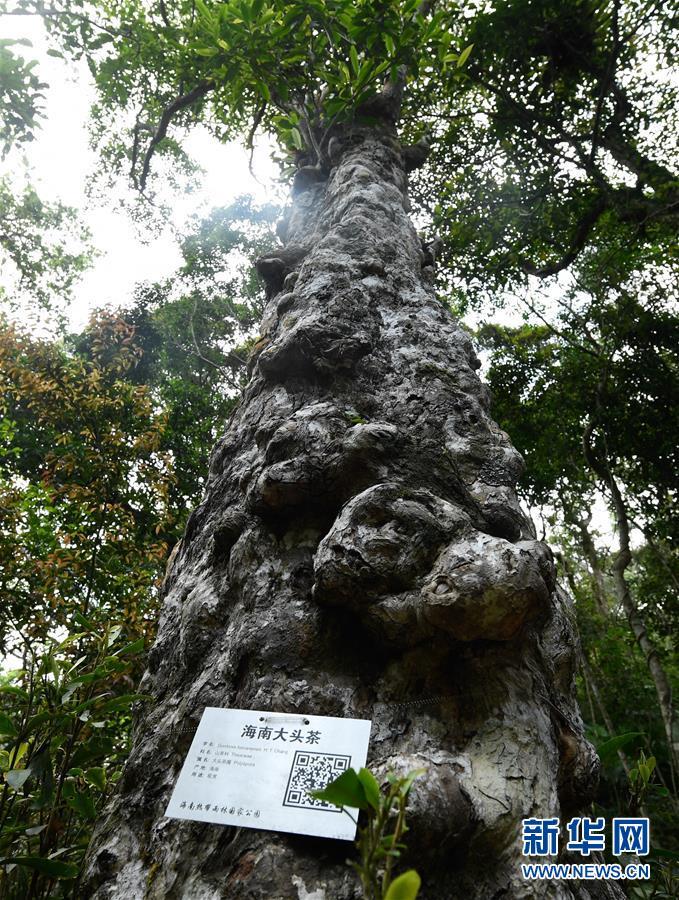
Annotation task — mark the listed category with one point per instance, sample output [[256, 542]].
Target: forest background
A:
[[553, 192]]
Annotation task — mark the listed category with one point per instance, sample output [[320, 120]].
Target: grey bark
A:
[[360, 544]]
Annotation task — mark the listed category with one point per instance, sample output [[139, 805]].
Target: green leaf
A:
[[121, 702], [464, 56], [100, 41], [35, 722], [364, 74], [69, 691], [389, 44], [405, 887], [371, 787], [49, 666], [81, 620], [113, 635], [7, 726], [608, 749], [55, 868], [346, 790], [97, 777], [19, 753], [353, 55], [82, 803], [9, 42], [134, 647], [11, 689]]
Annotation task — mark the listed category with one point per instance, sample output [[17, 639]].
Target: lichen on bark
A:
[[360, 550]]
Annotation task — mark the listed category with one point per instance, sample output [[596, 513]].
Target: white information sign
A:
[[253, 768]]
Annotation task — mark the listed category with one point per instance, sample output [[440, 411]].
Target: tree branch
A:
[[582, 233], [606, 81], [170, 111], [200, 355], [163, 13]]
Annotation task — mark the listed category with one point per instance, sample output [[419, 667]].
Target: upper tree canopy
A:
[[293, 69], [44, 262], [559, 142], [551, 121]]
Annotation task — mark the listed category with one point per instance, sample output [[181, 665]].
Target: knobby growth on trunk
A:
[[360, 551]]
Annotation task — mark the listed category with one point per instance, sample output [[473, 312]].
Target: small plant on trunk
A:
[[380, 840]]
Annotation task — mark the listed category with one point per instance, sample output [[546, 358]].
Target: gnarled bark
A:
[[360, 546]]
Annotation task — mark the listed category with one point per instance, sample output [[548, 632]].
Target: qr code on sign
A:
[[312, 772]]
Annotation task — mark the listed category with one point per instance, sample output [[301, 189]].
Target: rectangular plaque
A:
[[253, 769]]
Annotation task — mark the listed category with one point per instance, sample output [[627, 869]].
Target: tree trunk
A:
[[623, 594], [592, 557], [591, 686], [360, 544], [608, 722]]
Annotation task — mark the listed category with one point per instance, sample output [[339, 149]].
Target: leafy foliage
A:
[[85, 517], [21, 97], [63, 738], [294, 70], [194, 330], [549, 147], [44, 247], [605, 365], [379, 841]]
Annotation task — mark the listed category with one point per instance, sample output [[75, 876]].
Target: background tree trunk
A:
[[360, 544], [623, 594]]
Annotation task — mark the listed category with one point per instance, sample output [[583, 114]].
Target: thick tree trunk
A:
[[360, 546]]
